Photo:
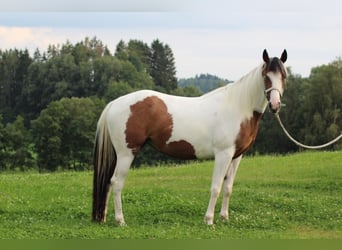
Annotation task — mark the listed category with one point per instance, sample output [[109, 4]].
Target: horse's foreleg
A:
[[222, 161], [228, 187], [118, 180]]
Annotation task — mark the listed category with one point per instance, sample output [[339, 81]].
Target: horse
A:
[[221, 124]]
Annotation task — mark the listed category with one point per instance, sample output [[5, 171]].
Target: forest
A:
[[50, 101]]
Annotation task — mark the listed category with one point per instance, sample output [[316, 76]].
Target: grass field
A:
[[279, 197]]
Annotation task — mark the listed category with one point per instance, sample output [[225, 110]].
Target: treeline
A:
[[50, 102]]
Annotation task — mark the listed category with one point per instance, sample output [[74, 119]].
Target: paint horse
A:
[[222, 124]]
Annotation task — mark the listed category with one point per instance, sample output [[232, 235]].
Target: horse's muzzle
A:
[[274, 108]]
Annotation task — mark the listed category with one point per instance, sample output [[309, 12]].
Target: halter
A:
[[270, 89], [266, 91]]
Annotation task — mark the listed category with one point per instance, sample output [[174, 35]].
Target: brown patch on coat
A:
[[150, 120], [247, 134], [180, 149]]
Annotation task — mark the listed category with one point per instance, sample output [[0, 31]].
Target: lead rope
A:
[[302, 145]]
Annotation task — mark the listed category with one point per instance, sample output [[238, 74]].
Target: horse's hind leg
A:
[[123, 164], [228, 187]]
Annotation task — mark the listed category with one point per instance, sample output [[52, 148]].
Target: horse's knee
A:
[[228, 190], [215, 191]]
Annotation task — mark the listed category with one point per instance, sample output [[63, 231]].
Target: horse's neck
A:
[[248, 92]]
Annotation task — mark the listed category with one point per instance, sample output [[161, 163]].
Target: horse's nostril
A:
[[273, 110]]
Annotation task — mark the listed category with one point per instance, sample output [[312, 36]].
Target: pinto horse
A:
[[222, 124]]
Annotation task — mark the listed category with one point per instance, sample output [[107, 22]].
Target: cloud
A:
[[27, 38]]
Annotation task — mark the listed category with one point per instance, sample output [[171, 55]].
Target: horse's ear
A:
[[283, 57], [265, 56]]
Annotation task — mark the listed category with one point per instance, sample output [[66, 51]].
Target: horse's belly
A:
[[179, 149]]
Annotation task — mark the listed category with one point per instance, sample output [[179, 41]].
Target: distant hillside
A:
[[204, 82]]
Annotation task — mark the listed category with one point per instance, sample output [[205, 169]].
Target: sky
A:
[[221, 37]]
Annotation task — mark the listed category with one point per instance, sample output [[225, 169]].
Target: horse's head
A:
[[274, 73]]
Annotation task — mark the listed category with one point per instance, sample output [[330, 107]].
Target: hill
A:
[[204, 82]]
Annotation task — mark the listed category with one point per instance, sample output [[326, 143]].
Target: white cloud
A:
[[27, 38]]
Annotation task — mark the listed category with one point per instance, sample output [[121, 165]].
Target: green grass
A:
[[281, 197]]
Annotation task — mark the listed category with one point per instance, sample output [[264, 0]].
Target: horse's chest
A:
[[247, 134]]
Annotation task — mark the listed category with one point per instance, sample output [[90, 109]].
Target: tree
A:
[[64, 133], [121, 51], [323, 104], [117, 89], [19, 153], [13, 70], [32, 96], [163, 70], [139, 54], [3, 148], [136, 52], [47, 132]]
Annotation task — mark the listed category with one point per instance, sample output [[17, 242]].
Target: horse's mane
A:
[[243, 91], [242, 82]]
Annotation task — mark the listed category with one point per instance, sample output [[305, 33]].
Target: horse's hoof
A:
[[224, 217], [209, 220], [120, 222]]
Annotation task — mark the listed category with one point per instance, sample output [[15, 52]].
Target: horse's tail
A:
[[104, 160]]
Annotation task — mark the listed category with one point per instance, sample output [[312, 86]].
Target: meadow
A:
[[297, 196]]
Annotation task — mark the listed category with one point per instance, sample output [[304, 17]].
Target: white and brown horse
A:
[[222, 124]]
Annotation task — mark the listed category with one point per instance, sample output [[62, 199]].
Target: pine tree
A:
[[163, 70]]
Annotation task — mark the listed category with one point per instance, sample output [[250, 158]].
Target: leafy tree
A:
[[80, 70], [3, 148], [117, 89], [323, 104], [79, 125], [64, 133], [47, 133], [106, 69], [18, 145], [137, 80]]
